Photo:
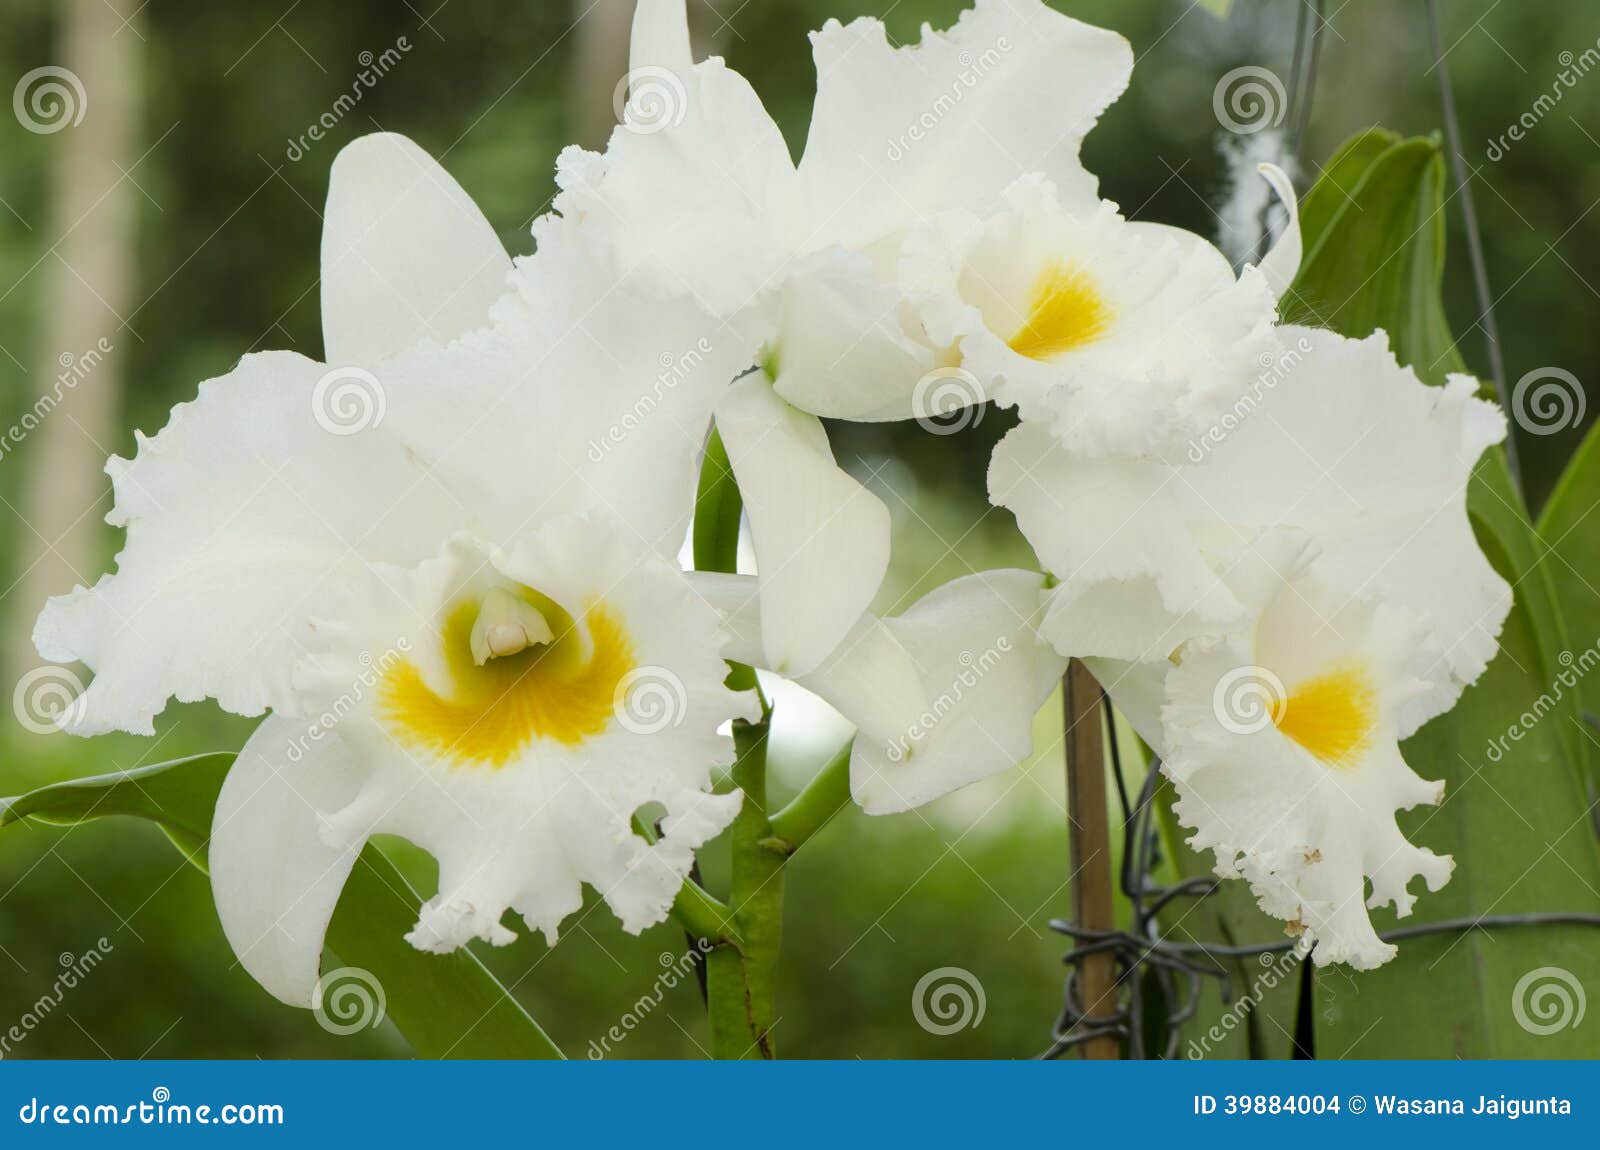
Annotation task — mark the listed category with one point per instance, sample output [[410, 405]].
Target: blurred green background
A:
[[222, 228]]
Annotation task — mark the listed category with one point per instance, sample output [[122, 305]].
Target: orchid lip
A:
[[511, 668]]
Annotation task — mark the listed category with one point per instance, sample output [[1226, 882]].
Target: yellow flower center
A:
[[510, 681], [1331, 715], [1065, 311]]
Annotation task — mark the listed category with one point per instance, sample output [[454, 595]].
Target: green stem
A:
[[698, 911], [704, 915], [742, 981], [741, 974], [824, 796]]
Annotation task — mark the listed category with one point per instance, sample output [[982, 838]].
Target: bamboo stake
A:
[[1089, 842]]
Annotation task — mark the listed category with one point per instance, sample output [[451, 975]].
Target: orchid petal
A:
[[406, 254], [274, 879], [234, 542], [660, 36], [1282, 263], [821, 539]]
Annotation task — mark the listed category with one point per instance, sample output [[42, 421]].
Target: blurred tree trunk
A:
[[86, 290], [601, 60]]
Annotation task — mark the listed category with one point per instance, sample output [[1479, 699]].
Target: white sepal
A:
[[821, 539]]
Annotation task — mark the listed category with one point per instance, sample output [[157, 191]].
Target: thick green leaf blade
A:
[[1569, 526], [1569, 530], [1537, 575], [1375, 251], [718, 506], [177, 796], [447, 1006], [1339, 181], [1574, 498]]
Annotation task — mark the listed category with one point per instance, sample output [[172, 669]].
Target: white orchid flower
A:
[[697, 193], [1335, 443], [939, 221], [1122, 339], [1275, 615], [942, 695], [699, 187], [1282, 740], [460, 607], [939, 244]]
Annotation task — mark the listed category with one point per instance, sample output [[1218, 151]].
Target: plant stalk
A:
[[813, 808], [1089, 841], [742, 980], [741, 972]]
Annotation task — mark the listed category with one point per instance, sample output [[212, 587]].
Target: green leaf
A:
[[447, 1006], [718, 506], [1538, 579], [1340, 178], [1516, 819], [1374, 235], [176, 796], [1569, 530], [1218, 8]]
